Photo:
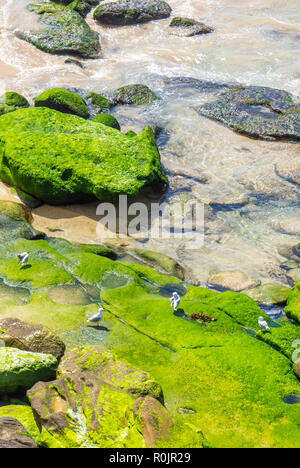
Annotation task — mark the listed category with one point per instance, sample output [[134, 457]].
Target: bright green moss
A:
[[293, 304], [63, 101], [282, 338], [62, 158], [107, 119]]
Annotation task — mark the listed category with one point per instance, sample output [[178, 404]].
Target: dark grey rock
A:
[[125, 12], [186, 27], [259, 112]]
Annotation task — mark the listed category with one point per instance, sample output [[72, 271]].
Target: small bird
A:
[[97, 317], [263, 324], [175, 301], [23, 258]]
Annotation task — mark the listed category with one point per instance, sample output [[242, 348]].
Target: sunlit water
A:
[[255, 42]]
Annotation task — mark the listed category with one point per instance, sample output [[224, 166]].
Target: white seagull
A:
[[23, 258], [97, 317], [263, 324], [175, 301]]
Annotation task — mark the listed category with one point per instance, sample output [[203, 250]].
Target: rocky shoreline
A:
[[203, 376]]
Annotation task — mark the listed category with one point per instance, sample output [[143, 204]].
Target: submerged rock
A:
[[22, 369], [13, 434], [256, 111], [63, 101], [163, 262], [12, 101], [62, 158], [136, 94], [15, 222], [269, 294], [232, 280], [36, 338], [108, 120], [123, 12], [187, 27], [66, 32]]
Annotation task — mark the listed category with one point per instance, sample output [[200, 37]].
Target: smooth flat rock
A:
[[232, 280]]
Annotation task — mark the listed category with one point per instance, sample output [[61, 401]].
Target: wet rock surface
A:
[[232, 280], [187, 27], [257, 111], [66, 32], [125, 12]]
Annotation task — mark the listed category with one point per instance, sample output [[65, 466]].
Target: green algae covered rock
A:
[[83, 7], [66, 32], [63, 101], [123, 12], [107, 119], [92, 403], [136, 94], [187, 27], [15, 223], [99, 103], [104, 363], [28, 337], [61, 158], [12, 101], [22, 369], [282, 338]]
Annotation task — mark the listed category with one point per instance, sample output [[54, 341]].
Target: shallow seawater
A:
[[256, 42], [292, 399]]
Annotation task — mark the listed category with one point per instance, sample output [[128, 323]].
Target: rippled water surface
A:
[[255, 42]]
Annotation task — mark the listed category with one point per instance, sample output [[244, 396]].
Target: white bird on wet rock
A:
[[175, 301], [263, 324], [23, 258], [97, 317]]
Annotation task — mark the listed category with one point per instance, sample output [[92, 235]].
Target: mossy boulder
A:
[[153, 420], [22, 369], [136, 94], [125, 12], [91, 404], [108, 120], [83, 7], [12, 101], [256, 111], [63, 101], [66, 32], [36, 338], [15, 222], [99, 103], [187, 27], [62, 158]]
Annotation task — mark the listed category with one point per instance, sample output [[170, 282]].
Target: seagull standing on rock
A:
[[175, 301], [23, 258], [97, 317], [263, 324]]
